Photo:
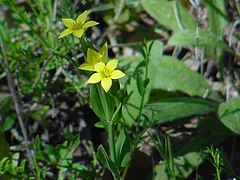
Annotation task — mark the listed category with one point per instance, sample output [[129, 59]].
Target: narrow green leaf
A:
[[117, 114], [122, 147], [218, 20], [37, 144], [106, 161], [103, 157], [215, 8], [95, 102], [229, 114], [126, 160], [140, 84], [74, 143]]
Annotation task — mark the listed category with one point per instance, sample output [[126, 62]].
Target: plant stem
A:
[[143, 97], [111, 141], [15, 99], [84, 46], [125, 171], [218, 173]]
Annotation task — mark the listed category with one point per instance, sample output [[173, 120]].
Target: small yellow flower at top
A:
[[77, 27], [94, 57], [105, 74]]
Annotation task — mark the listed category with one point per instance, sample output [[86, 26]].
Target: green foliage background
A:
[[180, 96]]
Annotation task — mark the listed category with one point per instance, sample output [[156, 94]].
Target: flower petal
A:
[[68, 22], [92, 56], [104, 52], [112, 64], [106, 83], [117, 74], [99, 66], [78, 33], [95, 78], [87, 67], [82, 17], [89, 24], [65, 33]]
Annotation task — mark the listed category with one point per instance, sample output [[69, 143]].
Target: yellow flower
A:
[[105, 74], [77, 27], [94, 57]]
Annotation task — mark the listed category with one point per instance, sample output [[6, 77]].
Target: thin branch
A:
[[119, 10], [54, 10], [4, 63], [41, 71], [198, 8]]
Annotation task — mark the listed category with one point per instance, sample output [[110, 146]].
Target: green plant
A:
[[181, 76]]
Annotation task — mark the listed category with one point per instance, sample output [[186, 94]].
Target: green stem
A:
[[111, 141], [84, 46], [218, 174], [142, 99], [125, 171], [110, 128]]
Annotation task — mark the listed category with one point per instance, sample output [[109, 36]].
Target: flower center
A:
[[76, 26], [107, 72]]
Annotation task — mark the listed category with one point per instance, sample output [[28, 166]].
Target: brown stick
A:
[[5, 66]]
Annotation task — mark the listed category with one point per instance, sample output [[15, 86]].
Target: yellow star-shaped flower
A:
[[105, 74], [94, 57], [77, 27]]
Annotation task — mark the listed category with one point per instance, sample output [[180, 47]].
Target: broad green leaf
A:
[[5, 102], [229, 114], [200, 142], [169, 13], [171, 109], [4, 147], [52, 152], [212, 126], [205, 39], [124, 16], [184, 166], [8, 123], [173, 75], [109, 6]]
